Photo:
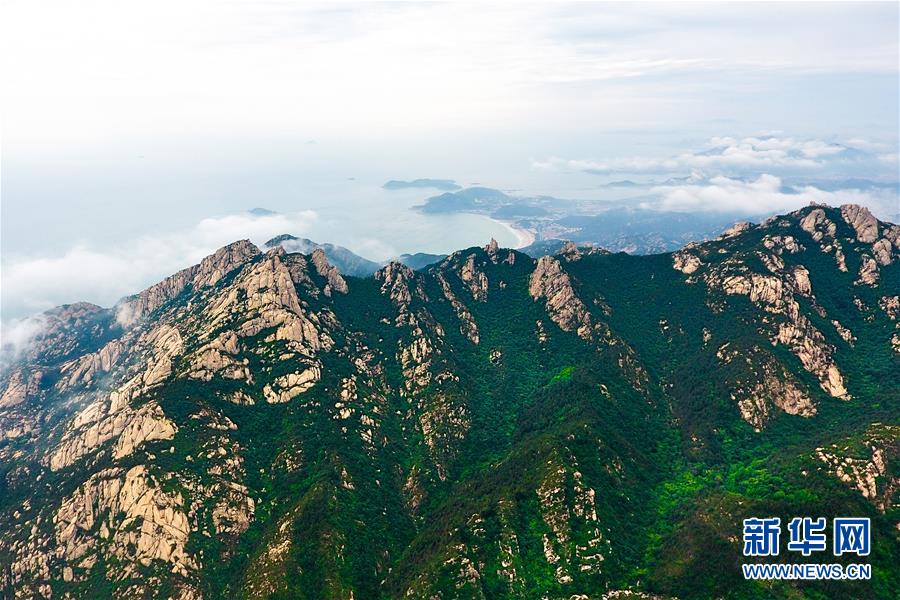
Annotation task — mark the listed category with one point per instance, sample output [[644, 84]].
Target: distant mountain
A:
[[622, 184], [640, 231], [420, 260], [583, 425], [346, 261], [438, 184], [473, 199], [543, 248], [518, 210], [632, 230], [261, 212]]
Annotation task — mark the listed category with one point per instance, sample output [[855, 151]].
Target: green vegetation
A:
[[533, 464]]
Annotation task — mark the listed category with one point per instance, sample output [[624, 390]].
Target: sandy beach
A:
[[524, 237]]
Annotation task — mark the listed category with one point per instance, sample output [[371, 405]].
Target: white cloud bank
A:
[[104, 275], [764, 195], [725, 155]]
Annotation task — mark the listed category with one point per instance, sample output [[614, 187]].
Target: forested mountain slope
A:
[[492, 426]]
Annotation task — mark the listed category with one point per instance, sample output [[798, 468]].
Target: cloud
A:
[[764, 195], [352, 69], [16, 335], [774, 153], [104, 275]]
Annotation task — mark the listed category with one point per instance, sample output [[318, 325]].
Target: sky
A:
[[135, 136]]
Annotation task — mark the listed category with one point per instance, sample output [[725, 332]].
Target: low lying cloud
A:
[[764, 195], [103, 275], [16, 336], [733, 156]]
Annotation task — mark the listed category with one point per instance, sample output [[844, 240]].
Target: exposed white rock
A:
[[467, 325], [493, 251], [865, 473], [210, 270], [142, 523], [335, 281], [551, 282], [772, 386], [85, 369], [234, 510], [775, 296], [862, 221], [782, 243], [92, 429], [686, 262], [736, 229], [868, 271], [286, 387], [891, 306], [16, 390], [149, 423], [475, 279], [570, 252], [882, 251], [845, 333], [818, 225]]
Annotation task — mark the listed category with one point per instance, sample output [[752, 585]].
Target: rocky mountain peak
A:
[[248, 426], [862, 221], [206, 273], [329, 272]]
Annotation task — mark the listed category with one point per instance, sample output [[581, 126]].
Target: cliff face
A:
[[258, 425]]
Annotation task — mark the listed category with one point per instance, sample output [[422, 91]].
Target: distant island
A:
[[438, 184]]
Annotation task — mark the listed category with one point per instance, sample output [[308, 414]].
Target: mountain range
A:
[[620, 226], [583, 424]]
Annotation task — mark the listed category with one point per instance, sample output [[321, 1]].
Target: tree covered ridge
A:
[[489, 427]]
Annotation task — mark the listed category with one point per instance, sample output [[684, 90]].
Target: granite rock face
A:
[[257, 424]]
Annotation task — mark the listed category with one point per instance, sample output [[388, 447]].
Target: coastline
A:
[[523, 236]]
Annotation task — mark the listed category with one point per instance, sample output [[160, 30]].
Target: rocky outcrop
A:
[[208, 272], [444, 424], [234, 510], [467, 325], [823, 230], [686, 262], [862, 221], [417, 349], [286, 387], [474, 279], [891, 306], [219, 357], [550, 282], [868, 271], [775, 293], [19, 387], [867, 467], [325, 269], [562, 482], [85, 369], [845, 333], [882, 251], [818, 225], [263, 298], [770, 385], [110, 415], [125, 516], [100, 423], [736, 229], [780, 244], [396, 280], [149, 423], [569, 252]]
